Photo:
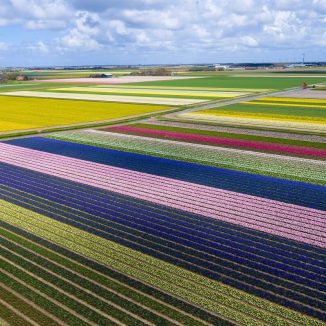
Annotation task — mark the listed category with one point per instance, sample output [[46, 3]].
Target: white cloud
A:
[[4, 46], [167, 19], [249, 41], [41, 9], [170, 26], [45, 24], [39, 47], [83, 34]]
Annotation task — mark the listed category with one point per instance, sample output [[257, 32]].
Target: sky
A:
[[118, 32]]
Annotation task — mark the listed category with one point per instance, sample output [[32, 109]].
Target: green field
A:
[[28, 86], [276, 110], [29, 113], [274, 82]]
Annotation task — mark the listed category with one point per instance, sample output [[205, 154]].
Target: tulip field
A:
[[194, 216], [269, 112], [18, 113]]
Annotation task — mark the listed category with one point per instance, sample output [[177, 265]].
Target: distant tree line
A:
[[160, 71], [9, 76], [202, 68]]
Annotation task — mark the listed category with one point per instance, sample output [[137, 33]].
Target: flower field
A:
[[309, 170], [210, 216], [101, 228], [154, 92], [138, 94], [291, 147], [29, 113], [270, 112], [107, 98]]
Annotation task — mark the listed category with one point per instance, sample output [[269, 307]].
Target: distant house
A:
[[219, 67], [104, 75], [21, 78]]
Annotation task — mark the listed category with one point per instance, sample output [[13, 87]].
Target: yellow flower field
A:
[[292, 99], [260, 123], [286, 104], [144, 92], [19, 113], [261, 116]]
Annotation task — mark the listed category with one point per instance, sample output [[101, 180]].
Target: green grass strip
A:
[[186, 96], [249, 127], [212, 295], [231, 135], [53, 293], [41, 301], [69, 288], [11, 318], [72, 275], [270, 109], [167, 300], [25, 308]]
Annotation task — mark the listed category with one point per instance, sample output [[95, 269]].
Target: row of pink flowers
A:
[[211, 140], [282, 219]]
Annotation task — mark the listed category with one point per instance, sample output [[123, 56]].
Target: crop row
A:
[[295, 111], [262, 116], [78, 195], [304, 138], [22, 113], [157, 300], [122, 223], [288, 125], [195, 288], [267, 164], [253, 212], [171, 245], [205, 94], [307, 195], [230, 135], [106, 303], [101, 202], [222, 141], [293, 100]]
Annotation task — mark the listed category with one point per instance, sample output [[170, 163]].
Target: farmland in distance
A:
[[206, 212]]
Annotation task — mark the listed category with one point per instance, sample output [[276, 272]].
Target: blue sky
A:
[[81, 32]]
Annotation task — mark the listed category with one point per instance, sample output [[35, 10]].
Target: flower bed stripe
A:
[[98, 284], [261, 102], [238, 143], [292, 99], [246, 309], [299, 169], [231, 135], [203, 227], [269, 216], [302, 194], [99, 227], [304, 126], [182, 310], [240, 131]]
